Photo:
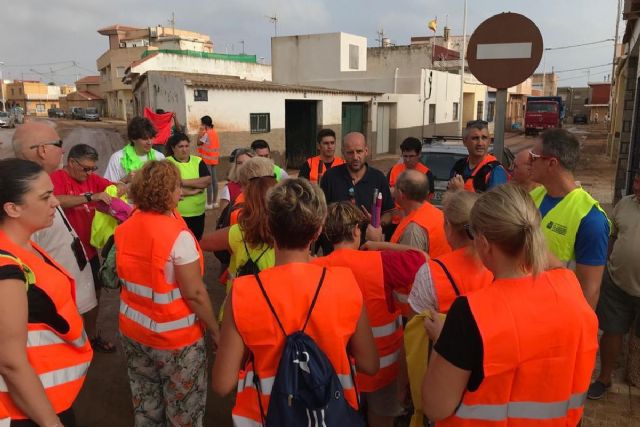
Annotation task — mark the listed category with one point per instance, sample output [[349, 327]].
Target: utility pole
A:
[[2, 87], [274, 19], [464, 54], [172, 21], [242, 43], [380, 38]]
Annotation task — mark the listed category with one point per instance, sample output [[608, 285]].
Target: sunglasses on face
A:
[[533, 156], [86, 169], [56, 143]]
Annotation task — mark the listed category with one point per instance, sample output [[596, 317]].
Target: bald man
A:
[[521, 171], [423, 224], [40, 143]]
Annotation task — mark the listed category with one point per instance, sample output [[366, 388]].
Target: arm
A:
[[305, 171], [362, 346], [442, 388], [498, 176], [388, 246], [216, 241], [24, 386], [196, 296], [590, 278], [190, 191], [198, 183], [228, 363], [70, 201]]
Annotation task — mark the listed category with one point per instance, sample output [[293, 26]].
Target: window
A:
[[200, 95], [432, 113], [455, 111], [40, 108], [119, 71], [491, 110], [354, 57], [480, 113], [260, 122]]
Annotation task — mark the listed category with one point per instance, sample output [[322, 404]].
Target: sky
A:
[[58, 40]]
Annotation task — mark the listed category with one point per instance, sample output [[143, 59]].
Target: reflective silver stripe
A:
[[266, 384], [526, 410], [42, 337], [239, 421], [389, 359], [388, 329], [403, 298], [147, 292], [58, 377], [148, 323]]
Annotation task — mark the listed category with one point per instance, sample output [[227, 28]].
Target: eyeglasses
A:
[[471, 233], [56, 143], [533, 156], [86, 169], [471, 123]]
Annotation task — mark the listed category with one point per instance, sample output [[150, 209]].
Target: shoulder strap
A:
[[64, 219], [446, 271], [249, 254], [313, 302], [458, 166]]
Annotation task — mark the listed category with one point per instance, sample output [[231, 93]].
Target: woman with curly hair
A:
[[249, 241], [164, 303]]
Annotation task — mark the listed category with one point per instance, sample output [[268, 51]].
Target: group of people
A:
[[496, 291]]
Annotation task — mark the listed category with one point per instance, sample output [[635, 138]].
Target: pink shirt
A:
[[80, 216]]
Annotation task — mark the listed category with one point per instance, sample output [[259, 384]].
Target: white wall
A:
[[190, 64]]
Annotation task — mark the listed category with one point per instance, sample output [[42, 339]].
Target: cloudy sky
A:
[[40, 39]]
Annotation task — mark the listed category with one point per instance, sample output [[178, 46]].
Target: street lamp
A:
[[2, 87]]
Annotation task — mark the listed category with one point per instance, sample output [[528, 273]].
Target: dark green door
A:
[[352, 117], [300, 124]]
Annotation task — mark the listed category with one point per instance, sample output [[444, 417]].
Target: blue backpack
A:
[[306, 389]]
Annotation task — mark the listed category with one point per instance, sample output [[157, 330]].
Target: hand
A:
[[433, 323], [456, 183], [369, 246], [374, 233], [366, 212], [215, 337], [101, 197], [122, 189]]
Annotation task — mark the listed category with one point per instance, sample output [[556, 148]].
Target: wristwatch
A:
[[88, 196]]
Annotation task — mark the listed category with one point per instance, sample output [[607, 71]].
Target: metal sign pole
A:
[[498, 130]]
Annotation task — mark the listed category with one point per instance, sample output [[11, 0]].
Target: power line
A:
[[578, 45], [582, 76], [39, 65], [584, 68]]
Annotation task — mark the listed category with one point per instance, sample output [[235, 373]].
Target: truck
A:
[[543, 112]]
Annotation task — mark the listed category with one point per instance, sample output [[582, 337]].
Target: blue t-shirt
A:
[[592, 239], [497, 176]]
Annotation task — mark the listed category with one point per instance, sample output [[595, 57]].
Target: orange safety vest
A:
[[235, 213], [386, 326], [60, 360], [152, 311], [210, 150], [317, 167], [466, 270], [539, 339], [431, 219], [291, 288], [396, 170], [468, 184]]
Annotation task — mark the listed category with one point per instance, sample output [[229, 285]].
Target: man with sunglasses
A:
[[479, 171], [574, 224], [78, 189]]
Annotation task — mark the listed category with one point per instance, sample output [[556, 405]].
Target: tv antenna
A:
[[274, 20]]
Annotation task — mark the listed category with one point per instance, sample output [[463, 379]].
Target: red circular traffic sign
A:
[[504, 50]]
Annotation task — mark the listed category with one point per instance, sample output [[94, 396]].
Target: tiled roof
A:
[[229, 82], [117, 27], [89, 80]]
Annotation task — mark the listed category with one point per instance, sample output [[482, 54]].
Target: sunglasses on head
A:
[[471, 123], [57, 143], [533, 156]]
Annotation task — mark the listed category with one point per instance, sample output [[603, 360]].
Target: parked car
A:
[[91, 114], [7, 120], [439, 154], [77, 113], [55, 112], [581, 119]]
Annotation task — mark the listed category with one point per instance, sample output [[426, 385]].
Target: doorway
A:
[[382, 128], [352, 117], [300, 124]]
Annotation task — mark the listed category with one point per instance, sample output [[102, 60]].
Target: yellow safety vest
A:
[[193, 205]]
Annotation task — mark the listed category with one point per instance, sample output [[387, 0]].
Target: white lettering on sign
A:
[[504, 51]]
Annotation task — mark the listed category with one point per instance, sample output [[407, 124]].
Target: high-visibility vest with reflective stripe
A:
[[468, 184], [60, 360], [193, 205], [317, 167], [152, 311], [386, 326], [209, 151], [291, 288], [467, 271], [560, 225], [235, 213], [395, 172], [539, 341]]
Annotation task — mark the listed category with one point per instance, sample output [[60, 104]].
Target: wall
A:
[[110, 61], [189, 64]]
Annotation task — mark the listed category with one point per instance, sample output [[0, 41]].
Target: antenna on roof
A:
[[172, 21], [381, 37], [274, 19]]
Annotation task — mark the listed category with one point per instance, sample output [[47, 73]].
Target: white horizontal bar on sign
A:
[[504, 51]]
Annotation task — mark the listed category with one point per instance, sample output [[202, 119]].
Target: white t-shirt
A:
[[56, 240], [115, 172], [184, 251], [225, 194]]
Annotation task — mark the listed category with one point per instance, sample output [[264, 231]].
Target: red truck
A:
[[543, 112]]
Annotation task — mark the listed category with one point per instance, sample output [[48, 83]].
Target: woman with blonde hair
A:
[[522, 348], [249, 241], [265, 308], [233, 189], [164, 305]]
